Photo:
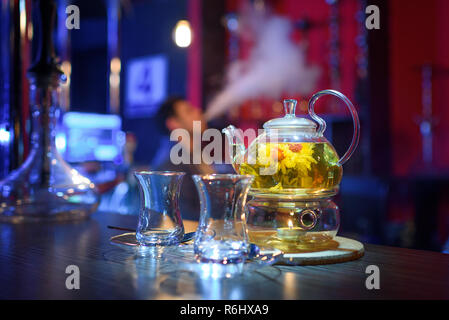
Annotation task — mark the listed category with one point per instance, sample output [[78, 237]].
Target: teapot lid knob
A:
[[290, 120], [290, 107]]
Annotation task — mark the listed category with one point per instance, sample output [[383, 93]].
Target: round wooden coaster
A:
[[344, 250]]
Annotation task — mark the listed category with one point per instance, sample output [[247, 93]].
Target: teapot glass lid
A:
[[290, 120]]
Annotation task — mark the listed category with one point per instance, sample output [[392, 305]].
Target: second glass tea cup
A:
[[222, 235]]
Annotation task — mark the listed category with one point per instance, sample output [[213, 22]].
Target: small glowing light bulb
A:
[[183, 34]]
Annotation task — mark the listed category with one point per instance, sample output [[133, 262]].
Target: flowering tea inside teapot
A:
[[297, 165]]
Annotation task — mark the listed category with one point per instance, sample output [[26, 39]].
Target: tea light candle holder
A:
[[307, 220]]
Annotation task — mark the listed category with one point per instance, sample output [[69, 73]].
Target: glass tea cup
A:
[[160, 222], [222, 235]]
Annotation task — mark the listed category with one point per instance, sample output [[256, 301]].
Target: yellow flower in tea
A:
[[299, 156]]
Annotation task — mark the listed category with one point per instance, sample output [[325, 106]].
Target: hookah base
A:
[[32, 213]]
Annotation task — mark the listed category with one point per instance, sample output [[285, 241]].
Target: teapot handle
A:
[[322, 123]]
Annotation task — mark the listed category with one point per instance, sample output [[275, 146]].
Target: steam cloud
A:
[[275, 66]]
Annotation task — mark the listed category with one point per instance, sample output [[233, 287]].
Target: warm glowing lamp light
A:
[[183, 34]]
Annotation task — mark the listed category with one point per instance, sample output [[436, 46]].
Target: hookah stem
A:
[[46, 136], [42, 132], [44, 77]]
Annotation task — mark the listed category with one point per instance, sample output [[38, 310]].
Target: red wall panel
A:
[[418, 35]]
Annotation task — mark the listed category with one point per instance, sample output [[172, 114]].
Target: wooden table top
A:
[[34, 257]]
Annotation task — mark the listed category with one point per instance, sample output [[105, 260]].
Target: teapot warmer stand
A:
[[345, 250], [304, 230]]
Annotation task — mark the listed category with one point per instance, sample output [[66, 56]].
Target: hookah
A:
[[45, 187]]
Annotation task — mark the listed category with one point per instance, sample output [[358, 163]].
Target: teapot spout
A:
[[236, 144]]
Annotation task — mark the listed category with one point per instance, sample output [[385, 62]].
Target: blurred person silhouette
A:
[[177, 113]]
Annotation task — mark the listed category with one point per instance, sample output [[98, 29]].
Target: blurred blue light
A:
[[91, 137], [233, 24], [5, 136], [92, 120], [61, 142], [105, 153]]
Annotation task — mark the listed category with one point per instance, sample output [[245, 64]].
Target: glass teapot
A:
[[291, 159]]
